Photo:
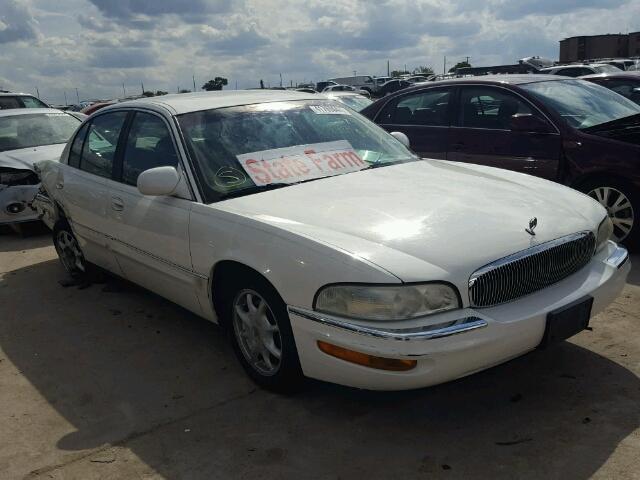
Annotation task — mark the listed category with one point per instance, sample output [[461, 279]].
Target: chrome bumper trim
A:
[[618, 258], [428, 332]]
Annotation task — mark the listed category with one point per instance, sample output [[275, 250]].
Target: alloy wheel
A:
[[257, 332], [619, 209], [69, 252]]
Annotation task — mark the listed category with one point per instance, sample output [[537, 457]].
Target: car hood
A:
[[425, 218], [24, 158]]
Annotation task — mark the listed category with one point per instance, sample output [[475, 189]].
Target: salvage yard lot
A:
[[111, 381]]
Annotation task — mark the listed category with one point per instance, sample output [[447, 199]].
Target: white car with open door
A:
[[322, 244]]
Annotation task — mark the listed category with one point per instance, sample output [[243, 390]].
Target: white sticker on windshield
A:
[[329, 109], [301, 162]]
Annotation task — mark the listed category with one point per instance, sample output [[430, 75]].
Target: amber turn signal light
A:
[[381, 363]]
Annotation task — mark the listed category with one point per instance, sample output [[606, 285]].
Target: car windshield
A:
[[606, 68], [582, 104], [244, 149], [33, 130], [20, 101], [354, 102]]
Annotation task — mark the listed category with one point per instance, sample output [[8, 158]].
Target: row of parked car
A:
[[330, 249]]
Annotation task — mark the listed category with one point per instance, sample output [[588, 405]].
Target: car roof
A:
[[620, 74], [11, 112], [342, 94], [15, 94], [180, 103], [509, 79]]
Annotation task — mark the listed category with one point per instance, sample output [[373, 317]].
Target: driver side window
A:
[[149, 145]]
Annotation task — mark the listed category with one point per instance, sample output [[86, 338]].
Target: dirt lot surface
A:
[[111, 382]]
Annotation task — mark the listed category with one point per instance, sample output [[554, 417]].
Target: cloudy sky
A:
[[97, 45]]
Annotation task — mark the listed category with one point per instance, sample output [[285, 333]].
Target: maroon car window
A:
[[425, 108], [490, 108], [626, 88]]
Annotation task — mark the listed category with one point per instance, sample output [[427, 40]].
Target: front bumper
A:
[[453, 344], [18, 197]]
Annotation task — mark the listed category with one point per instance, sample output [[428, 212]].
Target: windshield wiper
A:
[[253, 189]]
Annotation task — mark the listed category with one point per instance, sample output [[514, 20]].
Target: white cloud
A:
[[96, 45]]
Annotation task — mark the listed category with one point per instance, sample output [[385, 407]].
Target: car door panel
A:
[[150, 234], [482, 135], [424, 117], [84, 190]]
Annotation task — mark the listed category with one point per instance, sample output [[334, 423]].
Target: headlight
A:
[[605, 230], [386, 302]]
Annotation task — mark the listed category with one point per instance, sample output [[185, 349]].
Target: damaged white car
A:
[[322, 244], [27, 136]]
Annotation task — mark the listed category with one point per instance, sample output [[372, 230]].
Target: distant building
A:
[[574, 49]]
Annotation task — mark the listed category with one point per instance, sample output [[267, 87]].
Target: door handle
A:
[[117, 204]]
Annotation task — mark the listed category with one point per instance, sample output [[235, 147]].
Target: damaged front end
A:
[[18, 188]]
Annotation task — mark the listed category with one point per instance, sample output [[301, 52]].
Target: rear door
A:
[[82, 185], [481, 133], [150, 235], [424, 116]]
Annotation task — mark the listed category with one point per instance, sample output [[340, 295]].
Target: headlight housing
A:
[[605, 230], [387, 302]]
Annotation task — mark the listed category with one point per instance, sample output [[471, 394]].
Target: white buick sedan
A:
[[321, 244]]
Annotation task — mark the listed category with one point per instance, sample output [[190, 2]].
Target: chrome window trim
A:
[[618, 258], [427, 332]]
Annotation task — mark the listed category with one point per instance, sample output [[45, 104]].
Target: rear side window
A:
[[100, 146], [9, 102], [32, 102], [427, 108], [490, 108], [149, 145], [76, 147]]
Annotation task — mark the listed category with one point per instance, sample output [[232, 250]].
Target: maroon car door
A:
[[482, 133], [424, 116]]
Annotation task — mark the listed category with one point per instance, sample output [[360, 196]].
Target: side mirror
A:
[[525, 122], [158, 181], [402, 138]]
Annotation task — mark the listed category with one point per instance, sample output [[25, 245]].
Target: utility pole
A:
[[444, 66], [388, 71], [65, 99], [142, 85], [124, 91], [236, 84], [354, 73], [77, 95], [405, 68], [468, 57], [194, 83], [280, 78], [37, 92]]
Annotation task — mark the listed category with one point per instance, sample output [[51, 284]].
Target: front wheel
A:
[[68, 250], [261, 335], [621, 203]]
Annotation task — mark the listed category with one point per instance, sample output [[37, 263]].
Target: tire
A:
[[622, 202], [69, 251], [260, 332]]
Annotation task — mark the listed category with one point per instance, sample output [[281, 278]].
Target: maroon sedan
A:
[[570, 131]]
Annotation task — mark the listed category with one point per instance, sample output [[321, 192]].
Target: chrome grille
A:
[[530, 270]]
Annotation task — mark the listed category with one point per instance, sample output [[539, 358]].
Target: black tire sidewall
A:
[[288, 378]]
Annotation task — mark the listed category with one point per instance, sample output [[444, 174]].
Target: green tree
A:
[[459, 65], [148, 94], [184, 90], [160, 92], [215, 84], [423, 70]]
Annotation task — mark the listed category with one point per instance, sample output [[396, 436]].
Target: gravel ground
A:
[[112, 382]]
